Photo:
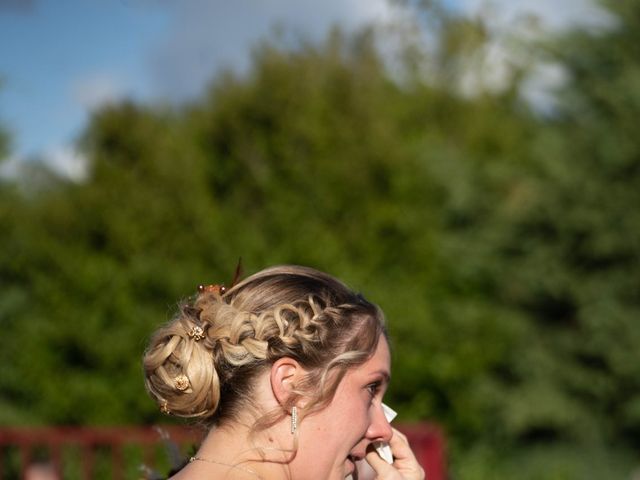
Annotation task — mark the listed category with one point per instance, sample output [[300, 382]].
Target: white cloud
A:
[[9, 167], [355, 13], [97, 89], [539, 86], [207, 36], [66, 161], [490, 73], [524, 20], [552, 14]]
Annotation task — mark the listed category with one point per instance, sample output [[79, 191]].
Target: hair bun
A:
[[180, 373]]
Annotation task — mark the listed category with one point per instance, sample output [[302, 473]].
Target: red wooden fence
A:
[[426, 440]]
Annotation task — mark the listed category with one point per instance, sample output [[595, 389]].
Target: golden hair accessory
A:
[[196, 332], [181, 382], [164, 407], [219, 288]]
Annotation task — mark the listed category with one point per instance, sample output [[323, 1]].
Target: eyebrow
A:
[[384, 373]]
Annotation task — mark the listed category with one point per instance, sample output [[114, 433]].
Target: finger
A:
[[398, 436], [381, 467], [404, 459], [399, 444]]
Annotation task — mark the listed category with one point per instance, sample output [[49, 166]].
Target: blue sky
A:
[[56, 60], [59, 59]]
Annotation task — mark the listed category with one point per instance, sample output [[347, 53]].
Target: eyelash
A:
[[374, 388]]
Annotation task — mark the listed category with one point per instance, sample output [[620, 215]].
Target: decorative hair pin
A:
[[164, 407], [181, 382], [196, 332], [219, 288]]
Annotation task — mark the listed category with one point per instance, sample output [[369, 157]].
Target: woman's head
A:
[[205, 362]]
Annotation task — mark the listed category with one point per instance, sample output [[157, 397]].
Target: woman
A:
[[288, 368]]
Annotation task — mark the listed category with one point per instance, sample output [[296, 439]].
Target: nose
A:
[[380, 429]]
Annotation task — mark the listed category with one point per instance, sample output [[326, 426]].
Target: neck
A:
[[238, 452]]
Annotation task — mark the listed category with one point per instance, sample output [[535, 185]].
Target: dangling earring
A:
[[294, 419]]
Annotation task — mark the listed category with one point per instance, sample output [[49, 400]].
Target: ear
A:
[[285, 374]]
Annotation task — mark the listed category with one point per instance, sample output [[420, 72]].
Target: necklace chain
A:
[[238, 467]]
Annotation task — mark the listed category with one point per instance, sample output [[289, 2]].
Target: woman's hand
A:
[[405, 466]]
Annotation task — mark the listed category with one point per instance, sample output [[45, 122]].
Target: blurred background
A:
[[473, 167]]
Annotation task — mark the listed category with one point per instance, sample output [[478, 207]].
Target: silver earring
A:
[[294, 419]]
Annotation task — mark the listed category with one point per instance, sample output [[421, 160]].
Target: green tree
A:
[[544, 243]]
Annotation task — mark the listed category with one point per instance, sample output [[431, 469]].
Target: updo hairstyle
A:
[[203, 363]]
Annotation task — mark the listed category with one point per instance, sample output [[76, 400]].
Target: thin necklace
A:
[[238, 467]]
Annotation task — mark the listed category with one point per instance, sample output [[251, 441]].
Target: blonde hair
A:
[[285, 311]]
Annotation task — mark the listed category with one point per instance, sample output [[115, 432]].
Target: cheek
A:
[[358, 419], [344, 429], [356, 404]]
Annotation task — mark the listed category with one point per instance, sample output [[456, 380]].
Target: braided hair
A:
[[204, 362]]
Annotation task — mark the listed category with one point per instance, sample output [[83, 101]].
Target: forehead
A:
[[380, 360]]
